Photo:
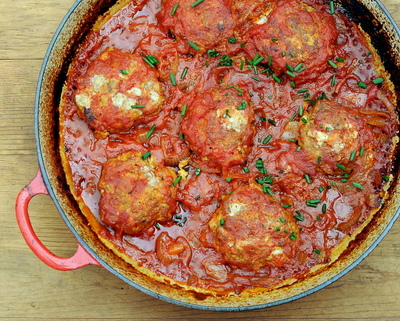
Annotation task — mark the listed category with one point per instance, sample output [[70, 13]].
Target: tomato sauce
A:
[[328, 205]]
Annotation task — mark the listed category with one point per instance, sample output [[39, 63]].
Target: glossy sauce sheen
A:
[[321, 166]]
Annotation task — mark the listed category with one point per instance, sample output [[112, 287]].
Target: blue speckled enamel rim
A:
[[130, 282]]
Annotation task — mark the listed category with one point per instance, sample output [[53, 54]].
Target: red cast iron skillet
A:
[[50, 179]]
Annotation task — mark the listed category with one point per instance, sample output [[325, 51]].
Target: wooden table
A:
[[30, 290]]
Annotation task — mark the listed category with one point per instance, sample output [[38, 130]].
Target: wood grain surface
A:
[[30, 290]]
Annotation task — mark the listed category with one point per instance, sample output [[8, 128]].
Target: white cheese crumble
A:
[[83, 101], [98, 82], [124, 102], [235, 208], [233, 119]]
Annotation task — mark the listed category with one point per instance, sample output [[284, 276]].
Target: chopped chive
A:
[[272, 122], [362, 151], [276, 78], [197, 197], [317, 251], [196, 3], [298, 148], [319, 218], [283, 53], [282, 219], [278, 229], [221, 222], [267, 190], [267, 139], [323, 209], [151, 60], [300, 91], [259, 59], [124, 72], [289, 67], [184, 72], [183, 112], [293, 236], [340, 166], [377, 81], [304, 120], [313, 203], [148, 62], [241, 64], [361, 84], [301, 110], [331, 7], [274, 39], [385, 178], [213, 53], [333, 80], [293, 117], [173, 79], [177, 180], [353, 155], [312, 101], [288, 72], [146, 155], [246, 169], [292, 84], [299, 216], [319, 160], [174, 9], [242, 44], [298, 67], [242, 105], [357, 185], [181, 136], [269, 60], [229, 179], [340, 59], [330, 62], [286, 205], [232, 40], [321, 189], [183, 221], [256, 78], [235, 87], [138, 106], [307, 178], [197, 171], [151, 131], [225, 61], [193, 45]]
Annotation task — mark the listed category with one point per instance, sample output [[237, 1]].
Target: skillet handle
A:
[[80, 259]]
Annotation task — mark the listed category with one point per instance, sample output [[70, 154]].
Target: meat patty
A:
[[136, 192], [117, 91], [205, 24], [333, 133], [218, 126], [253, 231], [298, 39]]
